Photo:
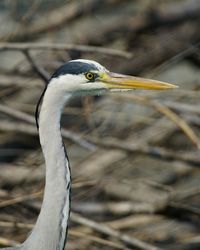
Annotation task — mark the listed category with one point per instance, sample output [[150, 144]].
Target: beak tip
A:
[[173, 86]]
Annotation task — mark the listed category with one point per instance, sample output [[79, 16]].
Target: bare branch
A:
[[40, 71], [182, 124], [63, 46], [25, 128], [153, 151], [102, 228], [7, 242]]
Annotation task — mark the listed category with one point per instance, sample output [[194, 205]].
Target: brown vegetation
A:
[[135, 157]]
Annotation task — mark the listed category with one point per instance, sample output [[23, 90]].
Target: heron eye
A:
[[90, 76]]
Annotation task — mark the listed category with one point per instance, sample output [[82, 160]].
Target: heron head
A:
[[89, 77]]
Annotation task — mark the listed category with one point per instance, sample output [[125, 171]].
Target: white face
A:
[[85, 83]]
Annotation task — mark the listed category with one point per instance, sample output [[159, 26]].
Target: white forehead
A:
[[96, 64]]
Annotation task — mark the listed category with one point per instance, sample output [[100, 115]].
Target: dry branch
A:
[[97, 239], [101, 228], [63, 46], [20, 199], [55, 19], [40, 71], [111, 143], [7, 242], [75, 233], [175, 28], [116, 208], [183, 107], [161, 48], [104, 229], [7, 80], [153, 151], [182, 124], [31, 129]]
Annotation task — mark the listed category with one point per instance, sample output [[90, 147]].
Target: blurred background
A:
[[134, 156]]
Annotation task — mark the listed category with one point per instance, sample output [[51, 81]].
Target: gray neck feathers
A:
[[51, 226]]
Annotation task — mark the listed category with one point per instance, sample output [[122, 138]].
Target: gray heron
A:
[[76, 77]]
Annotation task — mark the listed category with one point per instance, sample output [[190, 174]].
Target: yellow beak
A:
[[119, 81]]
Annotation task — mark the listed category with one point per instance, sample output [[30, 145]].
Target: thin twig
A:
[[17, 225], [7, 242], [32, 129], [101, 228], [40, 71], [117, 208], [20, 199], [93, 143], [64, 46], [153, 151], [184, 208], [183, 107], [97, 239], [17, 114], [182, 124], [175, 59], [104, 229]]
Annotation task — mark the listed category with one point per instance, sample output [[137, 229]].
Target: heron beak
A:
[[119, 81]]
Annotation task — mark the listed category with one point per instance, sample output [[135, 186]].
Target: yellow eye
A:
[[90, 76]]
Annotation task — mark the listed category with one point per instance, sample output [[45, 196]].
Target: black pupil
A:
[[90, 75]]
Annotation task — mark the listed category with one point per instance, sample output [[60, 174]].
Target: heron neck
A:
[[51, 227]]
